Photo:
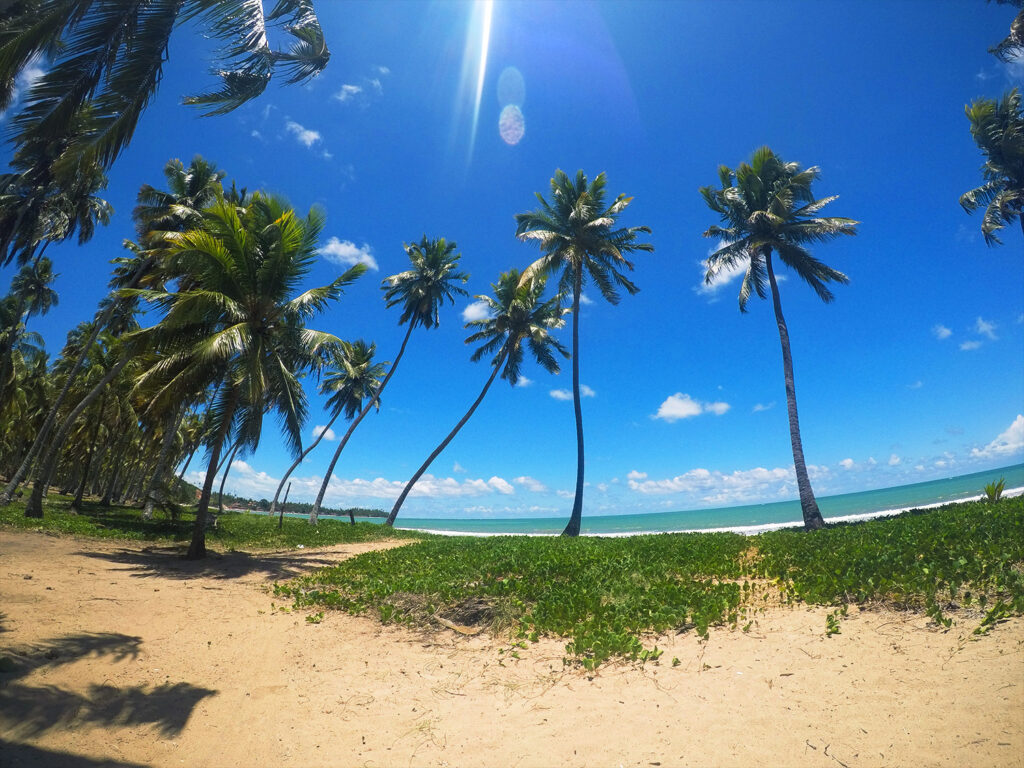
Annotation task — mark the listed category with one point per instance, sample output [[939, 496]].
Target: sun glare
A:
[[484, 9]]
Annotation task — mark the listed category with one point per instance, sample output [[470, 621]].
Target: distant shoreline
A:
[[746, 530]]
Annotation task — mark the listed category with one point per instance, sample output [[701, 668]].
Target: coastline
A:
[[745, 530]]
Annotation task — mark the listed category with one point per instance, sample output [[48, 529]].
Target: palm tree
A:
[[199, 187], [578, 237], [107, 59], [768, 207], [517, 319], [239, 323], [1011, 47], [998, 130], [420, 292], [351, 376]]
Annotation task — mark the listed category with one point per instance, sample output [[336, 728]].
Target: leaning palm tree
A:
[[768, 208], [579, 237], [421, 291], [240, 323], [351, 376], [998, 130], [517, 319]]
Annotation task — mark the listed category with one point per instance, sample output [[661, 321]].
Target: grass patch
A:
[[233, 531], [607, 595]]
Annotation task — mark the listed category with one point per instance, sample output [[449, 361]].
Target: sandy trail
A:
[[122, 655]]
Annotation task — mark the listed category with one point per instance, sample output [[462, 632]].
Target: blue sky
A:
[[915, 372]]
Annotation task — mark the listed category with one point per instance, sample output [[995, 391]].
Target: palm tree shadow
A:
[[25, 755], [167, 562], [30, 710]]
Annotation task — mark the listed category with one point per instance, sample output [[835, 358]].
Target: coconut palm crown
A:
[[517, 320], [998, 130], [768, 208], [579, 238]]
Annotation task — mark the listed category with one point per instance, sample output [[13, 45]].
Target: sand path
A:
[[122, 655]]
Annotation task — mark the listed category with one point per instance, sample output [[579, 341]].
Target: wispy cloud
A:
[[967, 346], [682, 406], [566, 394], [763, 407], [530, 484], [715, 487], [347, 253], [847, 464], [894, 460], [351, 93], [348, 92], [941, 332], [1007, 442], [524, 382], [916, 385], [321, 429], [985, 328], [478, 310], [305, 136], [25, 79]]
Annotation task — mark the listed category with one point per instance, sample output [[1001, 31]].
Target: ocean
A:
[[749, 518]]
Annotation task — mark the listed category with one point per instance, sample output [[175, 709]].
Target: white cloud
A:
[[327, 433], [984, 328], [347, 253], [847, 464], [1008, 442], [348, 92], [478, 310], [762, 407], [894, 460], [585, 300], [304, 136], [530, 484], [457, 468], [967, 346], [524, 382], [720, 487], [383, 70], [720, 279], [916, 385], [941, 332], [25, 79], [682, 406], [256, 134], [565, 394], [501, 485]]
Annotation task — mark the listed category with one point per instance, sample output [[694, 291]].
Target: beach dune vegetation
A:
[[767, 207]]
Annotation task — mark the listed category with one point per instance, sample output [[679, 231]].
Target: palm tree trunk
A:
[[352, 428], [224, 478], [280, 520], [148, 497], [197, 548], [304, 454], [812, 516], [51, 417], [76, 505], [444, 444], [45, 467], [573, 527]]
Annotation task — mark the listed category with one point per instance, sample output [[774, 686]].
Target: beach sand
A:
[[122, 655]]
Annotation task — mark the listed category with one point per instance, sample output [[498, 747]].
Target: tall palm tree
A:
[[191, 190], [517, 319], [240, 322], [421, 292], [580, 238], [768, 207], [350, 377], [998, 130]]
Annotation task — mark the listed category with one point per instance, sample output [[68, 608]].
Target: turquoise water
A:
[[749, 516]]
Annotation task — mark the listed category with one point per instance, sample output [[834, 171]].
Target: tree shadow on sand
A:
[[30, 710], [168, 562], [26, 756]]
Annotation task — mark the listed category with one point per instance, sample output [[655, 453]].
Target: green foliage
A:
[[233, 531], [607, 595], [994, 491]]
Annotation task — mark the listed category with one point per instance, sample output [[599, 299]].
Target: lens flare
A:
[[511, 125]]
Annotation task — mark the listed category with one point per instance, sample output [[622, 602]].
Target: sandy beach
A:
[[118, 654]]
